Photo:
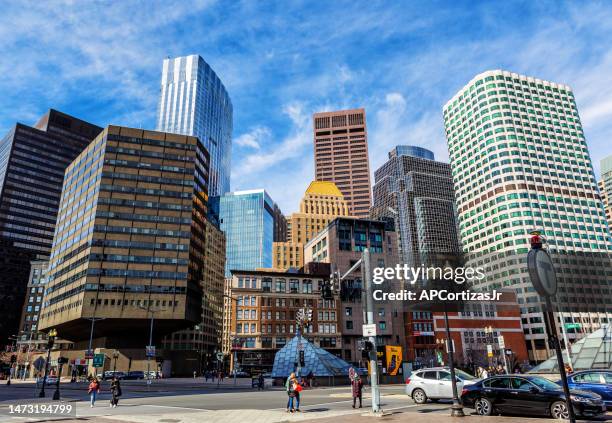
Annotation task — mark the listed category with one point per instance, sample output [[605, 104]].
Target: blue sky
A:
[[282, 61]]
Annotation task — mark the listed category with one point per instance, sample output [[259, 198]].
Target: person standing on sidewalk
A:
[[115, 389], [291, 393], [93, 390], [357, 387]]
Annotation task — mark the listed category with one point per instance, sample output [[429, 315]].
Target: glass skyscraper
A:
[[520, 162], [247, 218], [194, 101]]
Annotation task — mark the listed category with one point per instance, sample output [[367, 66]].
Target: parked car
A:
[[240, 373], [134, 375], [109, 374], [598, 381], [528, 395], [435, 383]]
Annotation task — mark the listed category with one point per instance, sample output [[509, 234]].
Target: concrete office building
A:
[[322, 202], [341, 244], [605, 188], [520, 161], [32, 164], [130, 240], [264, 321], [249, 220], [341, 156], [194, 101], [416, 193]]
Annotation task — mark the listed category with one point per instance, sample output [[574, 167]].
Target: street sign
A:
[[508, 351], [219, 356], [89, 354], [150, 351], [98, 360], [369, 330], [489, 351], [501, 342], [572, 326], [542, 272]]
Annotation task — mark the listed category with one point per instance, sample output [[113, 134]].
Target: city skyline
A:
[[278, 78]]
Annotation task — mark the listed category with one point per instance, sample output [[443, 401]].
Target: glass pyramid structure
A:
[[317, 360], [591, 352]]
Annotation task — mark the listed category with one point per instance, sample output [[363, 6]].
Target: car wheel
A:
[[419, 396], [483, 407], [558, 410]]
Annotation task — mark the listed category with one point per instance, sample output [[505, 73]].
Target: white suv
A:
[[435, 384]]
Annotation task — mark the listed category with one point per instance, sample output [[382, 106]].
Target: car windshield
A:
[[540, 382], [463, 375]]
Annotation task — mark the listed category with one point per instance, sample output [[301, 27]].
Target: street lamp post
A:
[[50, 341], [115, 356], [149, 348], [456, 408], [60, 362]]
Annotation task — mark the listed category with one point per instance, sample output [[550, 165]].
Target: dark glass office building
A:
[[32, 164]]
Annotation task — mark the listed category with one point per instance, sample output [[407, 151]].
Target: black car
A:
[[529, 395]]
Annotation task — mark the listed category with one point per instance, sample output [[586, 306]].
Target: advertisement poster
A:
[[393, 357]]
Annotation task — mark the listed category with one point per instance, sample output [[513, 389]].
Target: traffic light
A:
[[302, 359]]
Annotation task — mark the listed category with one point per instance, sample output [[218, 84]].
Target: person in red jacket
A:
[[357, 386], [93, 390]]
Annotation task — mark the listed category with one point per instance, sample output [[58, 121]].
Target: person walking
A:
[[290, 388], [93, 390], [260, 382], [115, 389], [357, 388], [298, 389]]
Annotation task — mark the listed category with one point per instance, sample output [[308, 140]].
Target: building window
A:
[[281, 285], [307, 286], [266, 284], [349, 324], [294, 286], [382, 325], [348, 311]]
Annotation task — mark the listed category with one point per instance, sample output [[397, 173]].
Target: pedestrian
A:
[[206, 375], [517, 369], [194, 374], [212, 376], [298, 389], [260, 382], [357, 387], [309, 378], [500, 370], [115, 389], [93, 390], [290, 392]]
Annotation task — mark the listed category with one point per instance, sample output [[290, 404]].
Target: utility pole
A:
[[369, 314]]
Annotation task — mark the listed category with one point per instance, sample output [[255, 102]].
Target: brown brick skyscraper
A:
[[341, 156]]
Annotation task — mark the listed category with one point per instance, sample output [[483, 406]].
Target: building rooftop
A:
[[323, 188]]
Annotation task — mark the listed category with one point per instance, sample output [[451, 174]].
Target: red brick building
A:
[[481, 324]]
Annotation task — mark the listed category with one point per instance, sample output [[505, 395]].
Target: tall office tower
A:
[[416, 193], [194, 101], [129, 242], [341, 244], [605, 188], [520, 161], [193, 349], [321, 204], [32, 164], [341, 156], [248, 220]]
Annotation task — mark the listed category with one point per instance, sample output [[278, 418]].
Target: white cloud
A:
[[254, 138]]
